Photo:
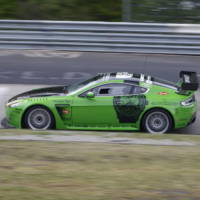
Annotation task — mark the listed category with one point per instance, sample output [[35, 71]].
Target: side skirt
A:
[[102, 128]]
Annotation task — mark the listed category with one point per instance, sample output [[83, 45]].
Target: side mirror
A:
[[90, 95]]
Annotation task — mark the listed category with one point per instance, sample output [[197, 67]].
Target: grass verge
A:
[[90, 171]]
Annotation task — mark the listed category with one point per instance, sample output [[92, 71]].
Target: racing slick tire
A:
[[157, 121], [39, 118]]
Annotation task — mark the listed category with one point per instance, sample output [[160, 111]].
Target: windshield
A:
[[77, 86]]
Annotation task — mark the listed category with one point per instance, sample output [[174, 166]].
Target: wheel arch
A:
[[157, 108], [23, 125]]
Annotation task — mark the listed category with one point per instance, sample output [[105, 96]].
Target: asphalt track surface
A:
[[20, 69], [59, 69]]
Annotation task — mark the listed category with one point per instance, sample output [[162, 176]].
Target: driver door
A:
[[99, 110]]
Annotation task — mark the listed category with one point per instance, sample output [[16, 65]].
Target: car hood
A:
[[41, 92]]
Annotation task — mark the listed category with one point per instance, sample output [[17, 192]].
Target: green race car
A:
[[109, 101]]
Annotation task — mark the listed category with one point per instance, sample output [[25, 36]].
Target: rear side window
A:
[[138, 90]]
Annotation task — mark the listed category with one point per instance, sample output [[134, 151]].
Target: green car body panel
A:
[[73, 109]]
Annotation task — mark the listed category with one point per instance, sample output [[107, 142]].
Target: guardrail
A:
[[101, 36]]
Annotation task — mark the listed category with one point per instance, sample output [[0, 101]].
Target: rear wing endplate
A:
[[189, 80]]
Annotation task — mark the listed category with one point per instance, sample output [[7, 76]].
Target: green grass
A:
[[90, 171]]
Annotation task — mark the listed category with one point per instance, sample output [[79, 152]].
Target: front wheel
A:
[[157, 121], [39, 118]]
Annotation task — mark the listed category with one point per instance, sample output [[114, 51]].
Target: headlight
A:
[[14, 104], [188, 102]]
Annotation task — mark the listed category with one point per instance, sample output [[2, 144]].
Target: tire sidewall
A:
[[28, 112], [170, 122]]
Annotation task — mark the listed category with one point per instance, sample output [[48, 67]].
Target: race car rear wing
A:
[[189, 80]]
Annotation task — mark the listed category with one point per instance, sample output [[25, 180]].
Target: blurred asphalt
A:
[[35, 69], [20, 69]]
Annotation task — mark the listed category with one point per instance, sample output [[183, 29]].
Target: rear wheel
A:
[[157, 121], [39, 118]]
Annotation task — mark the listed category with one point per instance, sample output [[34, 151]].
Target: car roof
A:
[[122, 76], [137, 78]]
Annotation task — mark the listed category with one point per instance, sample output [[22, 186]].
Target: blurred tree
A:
[[7, 9], [104, 10], [126, 10], [179, 11], [166, 11]]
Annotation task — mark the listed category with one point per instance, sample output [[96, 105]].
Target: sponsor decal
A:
[[124, 75], [129, 108], [163, 93], [65, 111]]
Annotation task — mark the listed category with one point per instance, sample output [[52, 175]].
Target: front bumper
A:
[[13, 116]]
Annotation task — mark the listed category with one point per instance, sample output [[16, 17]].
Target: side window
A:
[[138, 90], [116, 89], [103, 91]]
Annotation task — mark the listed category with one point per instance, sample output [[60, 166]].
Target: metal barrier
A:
[[100, 36]]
